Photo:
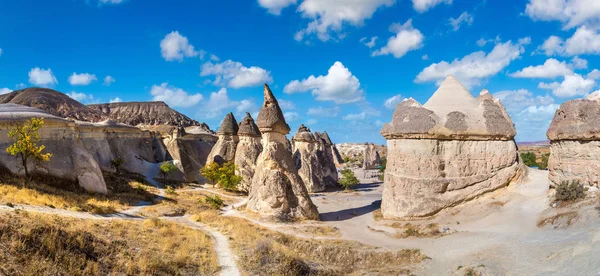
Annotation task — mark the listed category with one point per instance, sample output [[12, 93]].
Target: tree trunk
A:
[[24, 162]]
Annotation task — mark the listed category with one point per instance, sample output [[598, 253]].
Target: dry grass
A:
[[266, 252], [377, 215], [125, 191], [560, 220], [318, 230], [180, 203], [50, 245], [407, 230]]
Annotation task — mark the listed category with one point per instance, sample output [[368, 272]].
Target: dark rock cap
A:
[[248, 127], [303, 135], [229, 126], [270, 118], [318, 137], [576, 120], [326, 138]]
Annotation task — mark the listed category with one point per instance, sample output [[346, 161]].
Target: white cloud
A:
[[331, 16], [579, 63], [219, 103], [370, 43], [392, 102], [475, 67], [108, 80], [214, 57], [482, 41], [594, 74], [82, 79], [21, 86], [115, 100], [324, 111], [235, 75], [585, 40], [311, 122], [291, 116], [571, 13], [516, 100], [339, 85], [424, 5], [175, 47], [246, 106], [0, 52], [111, 2], [535, 119], [286, 105], [173, 96], [572, 85], [425, 57], [42, 77], [464, 17], [552, 68], [406, 39], [275, 6], [5, 90], [81, 97], [359, 116]]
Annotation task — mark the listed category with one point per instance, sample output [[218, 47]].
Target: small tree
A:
[[116, 164], [348, 179], [227, 178], [211, 172], [529, 159], [382, 168], [166, 168], [26, 143]]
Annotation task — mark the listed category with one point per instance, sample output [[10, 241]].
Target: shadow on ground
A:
[[350, 213]]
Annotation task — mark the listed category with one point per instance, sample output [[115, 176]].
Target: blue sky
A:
[[321, 57]]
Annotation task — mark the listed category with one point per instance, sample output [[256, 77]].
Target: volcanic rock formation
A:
[[248, 149], [224, 149], [371, 161], [277, 189], [189, 152], [306, 156], [452, 149], [575, 142], [327, 153]]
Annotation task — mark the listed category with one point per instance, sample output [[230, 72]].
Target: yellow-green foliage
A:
[[211, 172], [26, 142], [348, 179], [227, 178], [166, 168]]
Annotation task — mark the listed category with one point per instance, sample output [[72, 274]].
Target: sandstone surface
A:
[[247, 151], [450, 150], [224, 150], [306, 156], [326, 156], [277, 188], [372, 161]]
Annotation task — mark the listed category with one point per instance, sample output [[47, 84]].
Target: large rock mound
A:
[[247, 151], [452, 149], [145, 114], [277, 189], [52, 102], [575, 142]]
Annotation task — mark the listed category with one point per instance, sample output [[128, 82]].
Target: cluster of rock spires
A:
[[574, 136], [452, 149]]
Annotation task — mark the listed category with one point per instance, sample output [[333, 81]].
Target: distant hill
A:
[[145, 114], [53, 102]]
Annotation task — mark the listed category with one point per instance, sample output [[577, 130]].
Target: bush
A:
[[170, 191], [543, 164], [348, 179], [211, 172], [214, 201], [529, 159], [26, 147], [116, 164], [227, 178], [166, 168], [566, 191]]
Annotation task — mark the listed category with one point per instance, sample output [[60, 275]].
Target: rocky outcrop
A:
[[306, 157], [575, 142], [189, 152], [372, 161], [52, 102], [145, 114], [224, 149], [326, 155], [70, 159], [248, 149], [450, 150], [277, 189]]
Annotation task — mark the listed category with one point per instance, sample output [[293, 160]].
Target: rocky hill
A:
[[145, 114], [354, 150], [53, 102]]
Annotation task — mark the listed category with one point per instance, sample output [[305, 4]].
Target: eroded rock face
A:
[[306, 157], [277, 189], [224, 149], [248, 149], [326, 157], [450, 150], [189, 152], [574, 142], [70, 159], [145, 114], [372, 161]]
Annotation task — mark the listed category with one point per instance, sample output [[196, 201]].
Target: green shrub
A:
[[566, 191], [211, 172], [348, 179], [227, 178], [529, 159], [214, 201], [116, 164], [543, 164], [170, 191], [166, 168]]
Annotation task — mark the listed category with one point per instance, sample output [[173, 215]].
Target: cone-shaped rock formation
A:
[[247, 151], [452, 149], [224, 150], [326, 156], [307, 161], [277, 189], [371, 159]]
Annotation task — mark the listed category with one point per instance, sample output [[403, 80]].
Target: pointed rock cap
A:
[[248, 127], [303, 135], [270, 118], [450, 96], [485, 95], [326, 138], [318, 137], [229, 126]]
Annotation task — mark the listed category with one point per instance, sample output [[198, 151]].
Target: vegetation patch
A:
[[408, 230], [569, 191], [560, 220]]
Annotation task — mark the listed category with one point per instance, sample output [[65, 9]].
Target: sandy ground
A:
[[497, 232]]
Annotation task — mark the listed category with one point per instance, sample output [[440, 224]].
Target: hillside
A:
[[53, 102]]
